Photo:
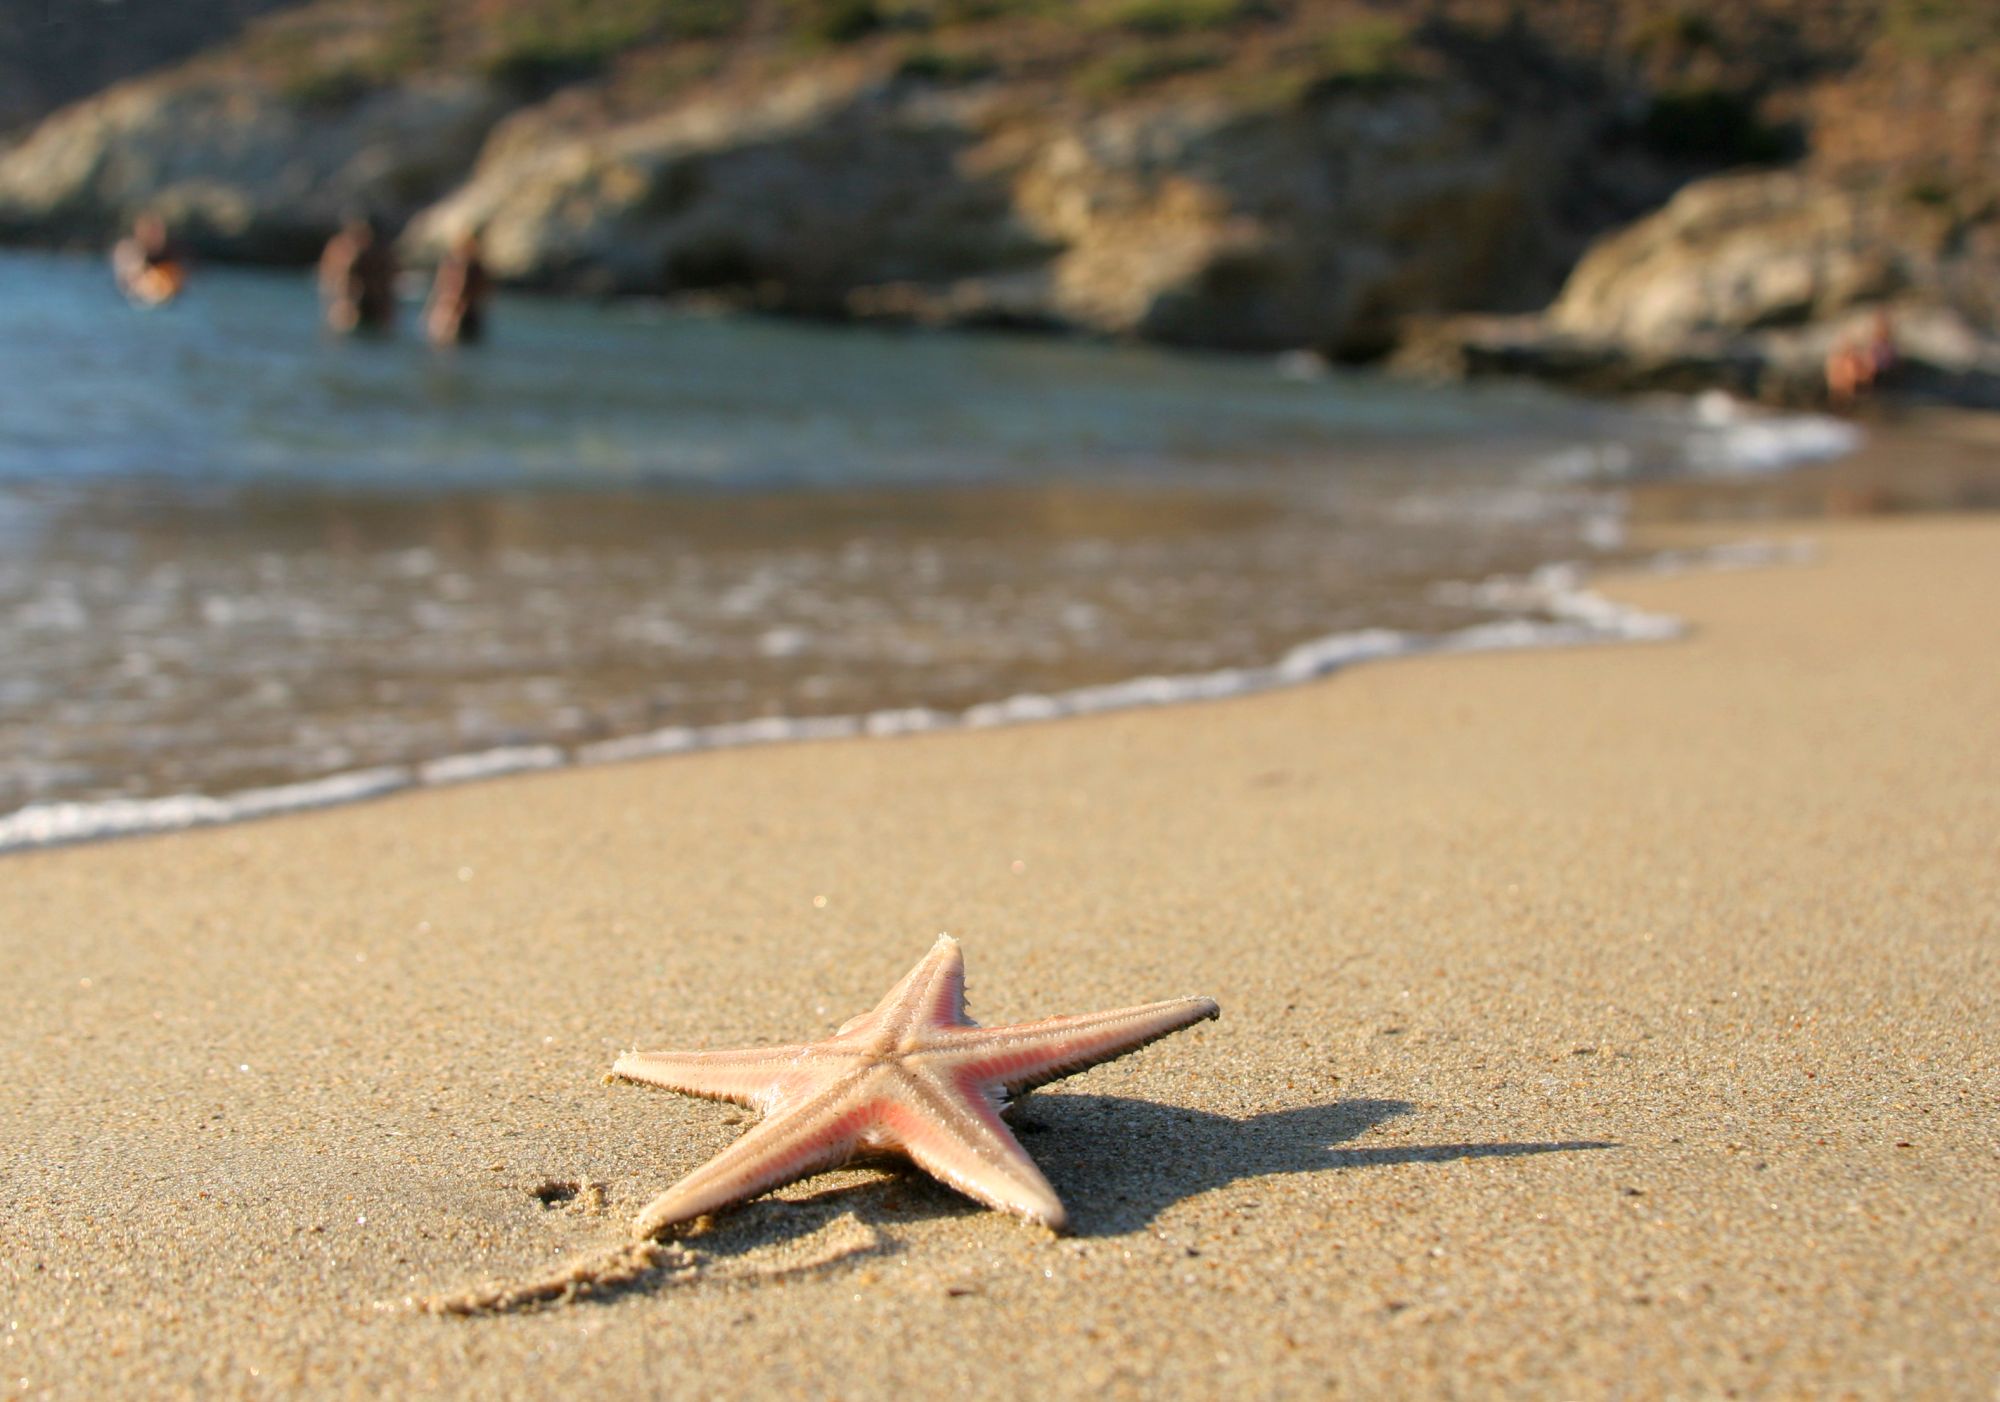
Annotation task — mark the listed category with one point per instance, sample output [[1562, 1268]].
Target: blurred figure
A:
[[1855, 370], [145, 264], [456, 312], [1882, 353], [1846, 369], [357, 278]]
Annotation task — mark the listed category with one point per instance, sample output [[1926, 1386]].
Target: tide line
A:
[[1568, 614]]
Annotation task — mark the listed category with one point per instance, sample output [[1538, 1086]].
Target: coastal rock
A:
[[1246, 175], [1194, 221], [53, 54], [239, 169], [798, 195], [1319, 225], [1942, 356], [1748, 283], [1751, 252]]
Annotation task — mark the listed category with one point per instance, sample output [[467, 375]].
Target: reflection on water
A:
[[232, 553], [236, 383], [159, 644]]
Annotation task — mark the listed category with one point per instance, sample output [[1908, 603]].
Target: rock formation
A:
[[54, 52], [1748, 253], [1237, 175], [1194, 221], [237, 168], [1749, 281], [797, 196]]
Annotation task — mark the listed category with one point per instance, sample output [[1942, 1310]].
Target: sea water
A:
[[244, 565]]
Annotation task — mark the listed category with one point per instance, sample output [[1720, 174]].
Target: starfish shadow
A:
[[1120, 1162]]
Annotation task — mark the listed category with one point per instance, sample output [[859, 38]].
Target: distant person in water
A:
[[148, 269], [1856, 369], [1846, 372], [1881, 351], [357, 279], [456, 313]]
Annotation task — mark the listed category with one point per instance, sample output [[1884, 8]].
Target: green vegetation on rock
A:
[[1371, 51], [1129, 70], [930, 63], [1944, 29], [1683, 30], [1163, 17], [539, 46], [823, 22]]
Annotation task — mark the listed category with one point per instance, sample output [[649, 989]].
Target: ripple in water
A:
[[233, 554]]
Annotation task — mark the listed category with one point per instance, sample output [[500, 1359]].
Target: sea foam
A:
[[1567, 611], [1735, 439]]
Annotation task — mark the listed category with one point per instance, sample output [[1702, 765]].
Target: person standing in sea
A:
[[147, 267], [357, 278], [456, 312]]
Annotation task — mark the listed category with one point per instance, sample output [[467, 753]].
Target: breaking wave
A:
[[1568, 613]]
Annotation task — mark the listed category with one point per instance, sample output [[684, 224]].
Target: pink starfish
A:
[[914, 1077]]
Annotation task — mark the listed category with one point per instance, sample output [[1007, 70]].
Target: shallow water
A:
[[235, 553]]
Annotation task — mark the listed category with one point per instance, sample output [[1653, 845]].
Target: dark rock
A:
[[238, 169]]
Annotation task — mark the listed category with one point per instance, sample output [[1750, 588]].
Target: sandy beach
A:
[[1611, 1021]]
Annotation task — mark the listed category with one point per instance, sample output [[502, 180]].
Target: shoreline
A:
[[1589, 1012], [1402, 362], [1574, 614]]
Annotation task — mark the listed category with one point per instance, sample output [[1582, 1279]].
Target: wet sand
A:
[[1617, 1020], [1913, 458]]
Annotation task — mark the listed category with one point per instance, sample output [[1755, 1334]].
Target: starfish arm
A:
[[778, 1151], [1030, 1054], [930, 995], [963, 1142], [746, 1077]]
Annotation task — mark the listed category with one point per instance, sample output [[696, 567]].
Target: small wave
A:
[[46, 824], [1569, 613], [1712, 435], [490, 764], [1736, 439]]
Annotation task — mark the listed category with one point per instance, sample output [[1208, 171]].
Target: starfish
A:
[[914, 1077]]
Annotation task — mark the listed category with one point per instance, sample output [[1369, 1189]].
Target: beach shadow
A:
[[1119, 1163]]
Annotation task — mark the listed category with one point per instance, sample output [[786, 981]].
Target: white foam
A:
[[1739, 440], [669, 741], [43, 824], [1573, 615], [1586, 462], [1714, 434], [911, 720], [1732, 555], [488, 764], [1329, 654], [764, 730], [1567, 613], [1302, 365]]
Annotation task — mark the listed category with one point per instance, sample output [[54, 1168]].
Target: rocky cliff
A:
[[236, 168], [1748, 253], [1751, 282], [1216, 172], [1191, 220], [54, 52], [1155, 174]]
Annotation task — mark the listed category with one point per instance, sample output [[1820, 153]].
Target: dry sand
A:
[[1611, 1022]]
